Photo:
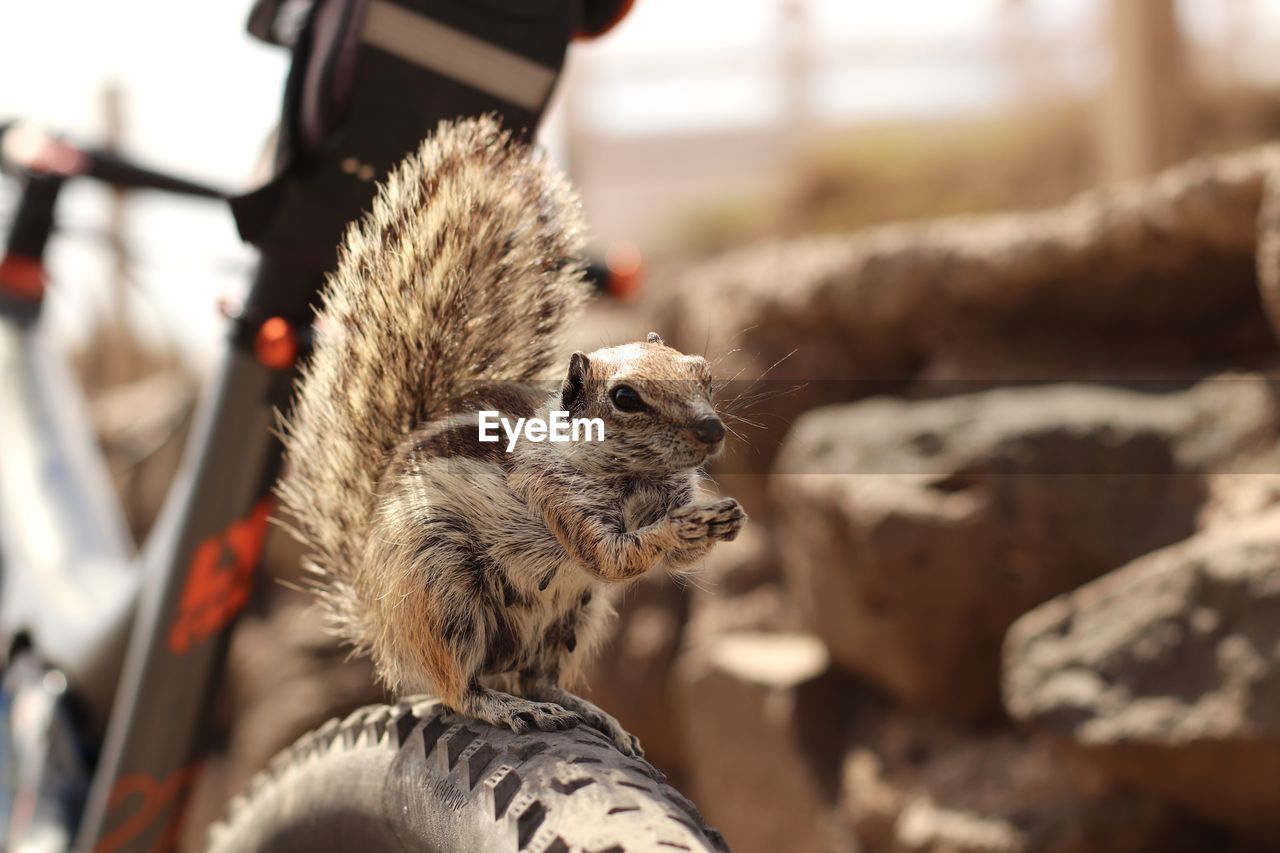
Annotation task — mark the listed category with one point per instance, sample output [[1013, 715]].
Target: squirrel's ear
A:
[[571, 391], [653, 338]]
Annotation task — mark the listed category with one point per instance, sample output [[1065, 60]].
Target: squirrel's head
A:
[[655, 403]]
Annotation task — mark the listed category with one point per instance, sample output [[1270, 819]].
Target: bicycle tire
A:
[[416, 777]]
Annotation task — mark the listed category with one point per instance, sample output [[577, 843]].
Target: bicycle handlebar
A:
[[44, 163], [28, 150]]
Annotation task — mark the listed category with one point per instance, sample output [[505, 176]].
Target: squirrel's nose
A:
[[709, 430]]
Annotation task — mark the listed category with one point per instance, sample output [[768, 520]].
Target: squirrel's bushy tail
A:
[[467, 269]]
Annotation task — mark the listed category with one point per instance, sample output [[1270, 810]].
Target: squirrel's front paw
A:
[[719, 521]]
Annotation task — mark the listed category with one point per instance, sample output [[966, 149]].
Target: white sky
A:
[[200, 98]]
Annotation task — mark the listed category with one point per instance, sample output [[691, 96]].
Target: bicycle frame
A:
[[73, 583], [63, 541], [199, 565]]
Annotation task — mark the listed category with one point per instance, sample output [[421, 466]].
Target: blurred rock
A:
[[913, 533], [1145, 280], [765, 730], [1167, 673], [733, 568], [764, 609], [911, 786], [1269, 249], [737, 588], [733, 588], [1244, 490], [630, 676]]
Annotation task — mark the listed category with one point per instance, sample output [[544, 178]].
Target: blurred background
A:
[[992, 280], [686, 128]]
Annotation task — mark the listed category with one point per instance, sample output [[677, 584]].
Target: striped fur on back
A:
[[465, 270]]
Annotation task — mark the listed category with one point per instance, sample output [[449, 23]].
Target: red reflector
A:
[[276, 344], [22, 276], [59, 158], [626, 270]]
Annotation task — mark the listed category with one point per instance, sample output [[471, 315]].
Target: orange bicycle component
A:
[[22, 276], [152, 796], [626, 270], [276, 344], [219, 580]]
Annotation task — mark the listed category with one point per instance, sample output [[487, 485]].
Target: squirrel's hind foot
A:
[[519, 715], [595, 717], [627, 743]]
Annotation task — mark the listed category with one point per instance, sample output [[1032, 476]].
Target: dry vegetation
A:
[[1028, 160]]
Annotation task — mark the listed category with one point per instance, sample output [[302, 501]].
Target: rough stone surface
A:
[[733, 588], [912, 786], [731, 569], [913, 533], [1244, 490], [1167, 673], [1150, 279], [631, 673], [738, 588], [765, 730]]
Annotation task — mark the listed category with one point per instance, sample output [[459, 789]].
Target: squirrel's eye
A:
[[626, 399]]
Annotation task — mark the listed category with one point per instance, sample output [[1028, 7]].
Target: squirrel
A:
[[449, 559]]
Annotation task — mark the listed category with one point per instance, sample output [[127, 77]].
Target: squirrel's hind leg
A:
[[512, 712]]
